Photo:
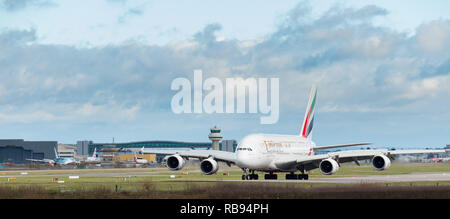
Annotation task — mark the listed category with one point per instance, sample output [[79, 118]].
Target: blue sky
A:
[[72, 70], [159, 22]]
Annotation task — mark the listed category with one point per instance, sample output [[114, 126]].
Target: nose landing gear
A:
[[247, 176]]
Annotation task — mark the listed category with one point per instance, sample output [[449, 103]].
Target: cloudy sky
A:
[[73, 70]]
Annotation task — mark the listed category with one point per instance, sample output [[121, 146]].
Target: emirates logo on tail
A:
[[309, 115]]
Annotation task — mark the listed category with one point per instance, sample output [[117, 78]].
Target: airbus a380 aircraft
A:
[[283, 153]]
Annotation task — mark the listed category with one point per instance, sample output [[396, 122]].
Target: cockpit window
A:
[[244, 149]]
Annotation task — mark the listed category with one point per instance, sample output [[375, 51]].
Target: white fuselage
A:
[[139, 160], [93, 160], [261, 151]]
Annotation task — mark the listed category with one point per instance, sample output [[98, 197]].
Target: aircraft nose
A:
[[245, 160], [241, 161]]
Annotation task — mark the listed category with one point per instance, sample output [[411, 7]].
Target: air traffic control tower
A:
[[215, 137]]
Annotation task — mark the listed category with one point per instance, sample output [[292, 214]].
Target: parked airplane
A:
[[58, 160], [283, 153], [94, 159], [139, 160], [441, 160]]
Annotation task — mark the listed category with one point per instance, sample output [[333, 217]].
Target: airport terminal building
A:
[[112, 151], [19, 150]]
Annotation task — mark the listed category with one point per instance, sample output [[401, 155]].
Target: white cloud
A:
[[358, 67], [88, 109], [434, 36], [32, 117]]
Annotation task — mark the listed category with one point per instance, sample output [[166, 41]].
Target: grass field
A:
[[190, 183]]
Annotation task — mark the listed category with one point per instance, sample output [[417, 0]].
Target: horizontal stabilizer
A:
[[339, 146]]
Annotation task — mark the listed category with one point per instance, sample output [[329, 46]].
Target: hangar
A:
[[18, 150]]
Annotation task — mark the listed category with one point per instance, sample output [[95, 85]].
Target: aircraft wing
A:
[[312, 162], [339, 146], [418, 152], [224, 156], [42, 161]]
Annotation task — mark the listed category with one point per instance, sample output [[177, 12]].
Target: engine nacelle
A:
[[175, 162], [328, 166], [209, 166], [381, 162]]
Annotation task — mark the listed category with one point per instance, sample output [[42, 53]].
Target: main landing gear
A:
[[299, 176], [292, 176], [272, 176]]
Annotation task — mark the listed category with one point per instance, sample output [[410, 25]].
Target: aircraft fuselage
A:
[[262, 151]]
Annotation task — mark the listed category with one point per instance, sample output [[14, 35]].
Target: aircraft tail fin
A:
[[56, 153], [308, 121]]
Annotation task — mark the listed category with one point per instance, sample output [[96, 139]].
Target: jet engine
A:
[[209, 166], [328, 166], [381, 162], [175, 162]]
